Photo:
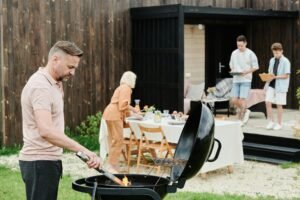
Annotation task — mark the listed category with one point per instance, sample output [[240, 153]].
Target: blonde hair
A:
[[128, 78]]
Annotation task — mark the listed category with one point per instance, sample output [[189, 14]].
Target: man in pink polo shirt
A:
[[43, 124]]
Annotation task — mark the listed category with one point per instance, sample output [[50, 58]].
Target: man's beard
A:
[[64, 78]]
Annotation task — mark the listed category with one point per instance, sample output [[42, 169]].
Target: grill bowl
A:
[[143, 187], [158, 184]]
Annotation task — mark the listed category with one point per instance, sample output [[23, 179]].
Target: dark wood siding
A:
[[270, 31], [157, 49], [100, 28], [103, 29]]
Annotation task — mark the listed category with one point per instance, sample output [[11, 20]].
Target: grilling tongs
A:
[[109, 175]]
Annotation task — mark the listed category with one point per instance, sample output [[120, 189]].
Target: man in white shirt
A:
[[243, 63]]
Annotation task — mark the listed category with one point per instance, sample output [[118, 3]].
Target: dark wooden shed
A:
[[158, 46], [102, 28]]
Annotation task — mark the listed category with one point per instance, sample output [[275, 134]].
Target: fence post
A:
[[2, 125]]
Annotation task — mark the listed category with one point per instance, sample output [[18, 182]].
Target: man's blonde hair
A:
[[128, 78]]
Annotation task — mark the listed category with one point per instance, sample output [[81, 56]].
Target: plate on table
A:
[[176, 122], [165, 115], [235, 73], [134, 118]]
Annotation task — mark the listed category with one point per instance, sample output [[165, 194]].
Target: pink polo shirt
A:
[[41, 92]]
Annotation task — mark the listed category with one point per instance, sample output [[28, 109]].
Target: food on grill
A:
[[126, 182], [85, 158]]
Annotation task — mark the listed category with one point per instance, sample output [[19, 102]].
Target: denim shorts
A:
[[240, 90]]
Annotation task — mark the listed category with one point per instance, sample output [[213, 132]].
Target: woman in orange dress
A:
[[114, 115]]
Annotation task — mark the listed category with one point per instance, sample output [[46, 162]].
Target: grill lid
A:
[[195, 143]]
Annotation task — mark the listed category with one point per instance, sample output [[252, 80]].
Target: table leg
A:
[[228, 109], [212, 107]]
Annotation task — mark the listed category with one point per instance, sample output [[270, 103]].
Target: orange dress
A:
[[114, 115], [118, 107]]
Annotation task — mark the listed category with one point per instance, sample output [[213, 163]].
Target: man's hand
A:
[[133, 109], [94, 160], [272, 77], [245, 72]]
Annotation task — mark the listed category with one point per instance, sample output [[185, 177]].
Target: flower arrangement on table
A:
[[149, 109], [148, 112], [179, 116]]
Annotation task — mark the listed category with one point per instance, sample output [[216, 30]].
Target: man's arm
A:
[[287, 71], [254, 64], [283, 76], [48, 132], [251, 70], [231, 63]]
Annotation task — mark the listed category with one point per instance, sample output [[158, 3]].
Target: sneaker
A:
[[270, 125], [246, 116], [277, 127]]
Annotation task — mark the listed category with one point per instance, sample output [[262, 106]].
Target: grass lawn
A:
[[290, 165], [12, 187]]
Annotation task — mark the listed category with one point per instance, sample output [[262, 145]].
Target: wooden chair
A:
[[158, 148], [131, 143]]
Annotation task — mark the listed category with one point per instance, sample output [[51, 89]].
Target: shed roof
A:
[[245, 13], [210, 12]]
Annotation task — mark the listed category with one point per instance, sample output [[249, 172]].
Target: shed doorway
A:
[[194, 53], [220, 41]]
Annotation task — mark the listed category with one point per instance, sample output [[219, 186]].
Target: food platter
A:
[[134, 118], [176, 122]]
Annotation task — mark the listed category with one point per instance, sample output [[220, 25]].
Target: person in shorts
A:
[[243, 61], [280, 68]]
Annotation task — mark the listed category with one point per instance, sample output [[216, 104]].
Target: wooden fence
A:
[[101, 28]]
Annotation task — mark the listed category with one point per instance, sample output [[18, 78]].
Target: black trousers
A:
[[41, 178]]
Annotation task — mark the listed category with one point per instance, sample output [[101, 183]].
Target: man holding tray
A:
[[243, 63], [279, 69]]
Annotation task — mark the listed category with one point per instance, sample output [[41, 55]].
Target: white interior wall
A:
[[194, 52]]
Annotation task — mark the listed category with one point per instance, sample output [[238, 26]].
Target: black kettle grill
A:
[[194, 147]]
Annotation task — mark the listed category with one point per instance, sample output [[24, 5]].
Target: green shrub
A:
[[6, 151], [87, 132], [90, 126], [89, 141]]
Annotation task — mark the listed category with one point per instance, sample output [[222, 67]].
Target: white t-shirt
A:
[[241, 61]]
